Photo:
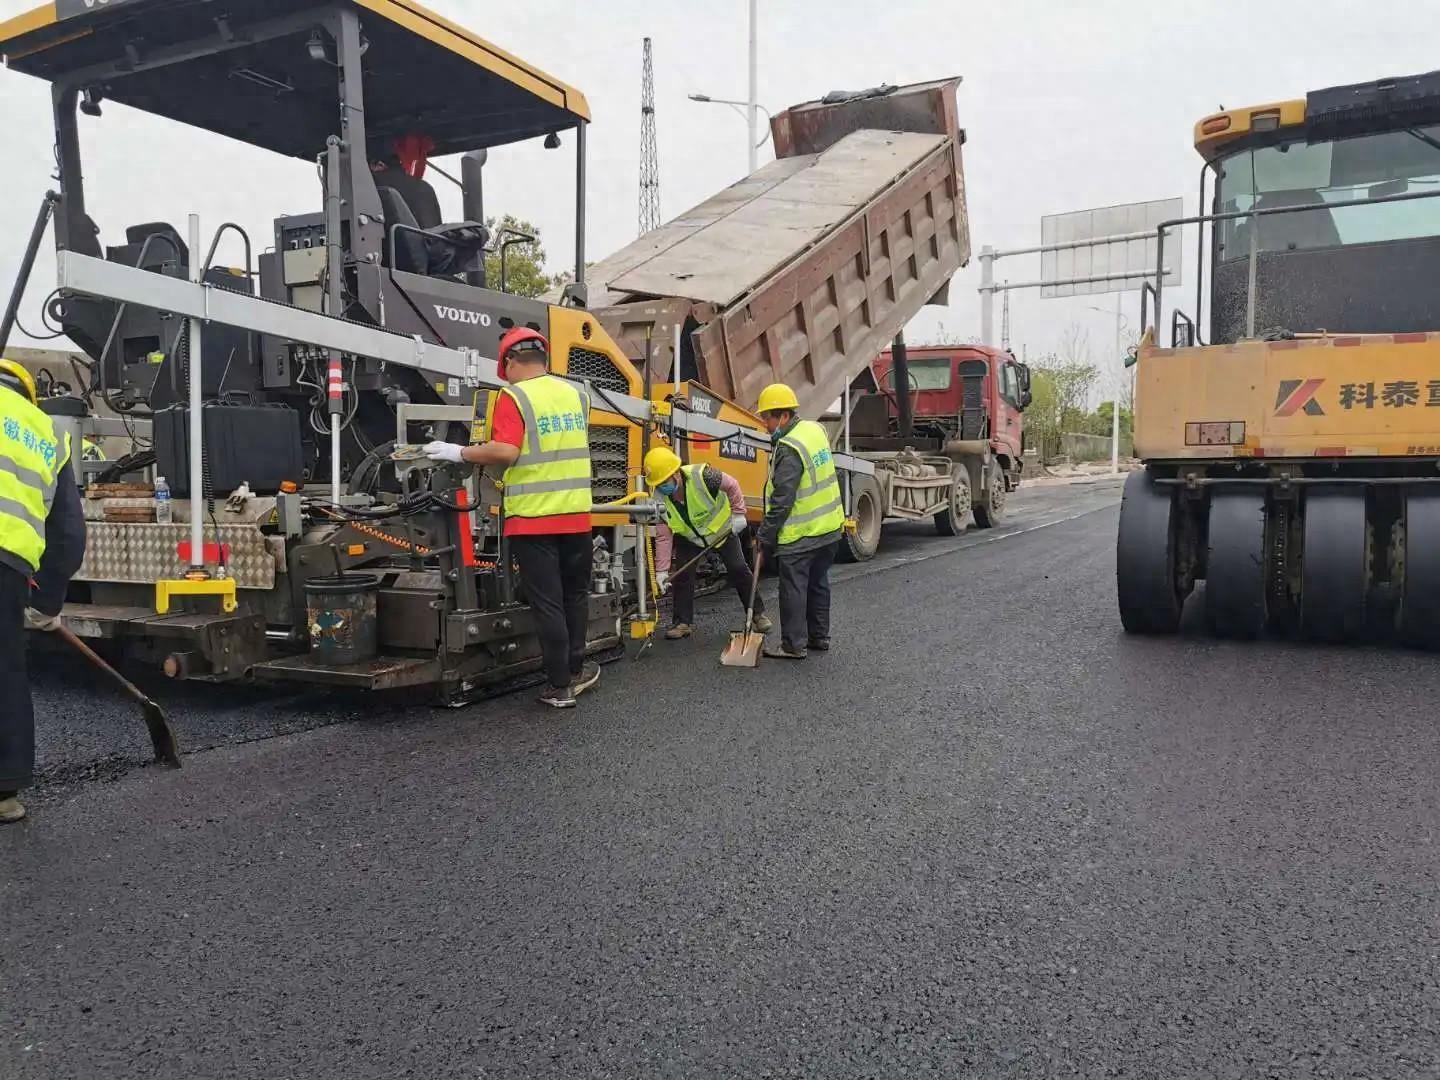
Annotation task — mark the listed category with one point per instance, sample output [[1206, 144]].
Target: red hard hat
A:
[[516, 338]]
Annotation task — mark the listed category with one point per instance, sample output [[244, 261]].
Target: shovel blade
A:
[[162, 737], [743, 650]]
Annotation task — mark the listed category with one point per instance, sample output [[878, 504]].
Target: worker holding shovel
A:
[[704, 509], [42, 537], [804, 519]]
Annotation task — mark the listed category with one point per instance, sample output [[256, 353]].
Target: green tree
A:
[[1101, 420], [1060, 390], [524, 261]]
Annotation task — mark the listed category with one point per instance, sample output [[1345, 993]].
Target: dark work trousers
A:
[[805, 596], [17, 713], [556, 571], [736, 569]]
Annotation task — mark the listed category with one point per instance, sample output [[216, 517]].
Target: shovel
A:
[[745, 645], [162, 738]]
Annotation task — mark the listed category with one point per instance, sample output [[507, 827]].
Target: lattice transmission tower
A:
[[649, 153]]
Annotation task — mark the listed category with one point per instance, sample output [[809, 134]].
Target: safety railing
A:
[[1158, 289]]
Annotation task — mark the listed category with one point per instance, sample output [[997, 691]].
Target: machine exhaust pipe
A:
[[472, 187]]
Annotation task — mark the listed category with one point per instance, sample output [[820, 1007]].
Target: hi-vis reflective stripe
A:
[[18, 510], [816, 514], [30, 478], [539, 487]]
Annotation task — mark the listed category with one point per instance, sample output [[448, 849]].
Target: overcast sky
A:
[[1068, 106]]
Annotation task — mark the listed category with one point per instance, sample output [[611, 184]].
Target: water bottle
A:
[[164, 512]]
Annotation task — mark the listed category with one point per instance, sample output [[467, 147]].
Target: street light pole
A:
[[752, 107]]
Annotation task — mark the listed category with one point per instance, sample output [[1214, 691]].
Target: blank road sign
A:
[[1126, 264]]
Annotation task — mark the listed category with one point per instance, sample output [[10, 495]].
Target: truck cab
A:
[[963, 392]]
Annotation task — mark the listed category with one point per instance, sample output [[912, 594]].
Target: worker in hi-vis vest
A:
[[704, 508], [804, 519], [42, 543], [540, 436]]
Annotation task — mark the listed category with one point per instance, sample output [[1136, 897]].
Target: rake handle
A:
[[692, 563]]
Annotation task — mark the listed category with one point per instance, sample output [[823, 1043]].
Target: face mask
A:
[[667, 488]]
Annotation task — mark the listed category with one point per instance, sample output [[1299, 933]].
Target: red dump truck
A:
[[803, 272], [947, 446]]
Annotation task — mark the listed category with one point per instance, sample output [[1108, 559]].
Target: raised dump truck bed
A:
[[803, 271]]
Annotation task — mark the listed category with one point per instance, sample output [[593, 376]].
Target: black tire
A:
[[990, 510], [1235, 579], [1146, 576], [953, 519], [864, 542], [1419, 616], [1334, 577]]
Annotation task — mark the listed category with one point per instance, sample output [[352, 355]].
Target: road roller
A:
[[1289, 421]]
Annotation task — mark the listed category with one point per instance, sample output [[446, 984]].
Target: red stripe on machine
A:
[[467, 533], [1411, 339], [213, 553], [1330, 451]]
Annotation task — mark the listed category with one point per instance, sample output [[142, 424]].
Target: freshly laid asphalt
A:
[[987, 835]]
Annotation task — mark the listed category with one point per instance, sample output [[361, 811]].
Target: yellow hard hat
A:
[[661, 463], [19, 380], [778, 396]]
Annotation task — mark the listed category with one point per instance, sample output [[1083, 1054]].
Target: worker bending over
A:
[[804, 518], [42, 543], [702, 505], [540, 435]]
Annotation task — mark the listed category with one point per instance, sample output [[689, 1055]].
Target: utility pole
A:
[[1115, 417], [987, 295], [752, 108], [649, 151]]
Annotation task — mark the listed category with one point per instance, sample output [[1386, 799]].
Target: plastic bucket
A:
[[341, 614]]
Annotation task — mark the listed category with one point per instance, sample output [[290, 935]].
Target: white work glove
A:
[[737, 524], [443, 451], [662, 580], [38, 620]]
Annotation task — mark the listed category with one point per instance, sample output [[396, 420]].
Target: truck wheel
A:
[[952, 520], [990, 510], [865, 540]]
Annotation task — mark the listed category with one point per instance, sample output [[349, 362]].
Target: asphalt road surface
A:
[[987, 835]]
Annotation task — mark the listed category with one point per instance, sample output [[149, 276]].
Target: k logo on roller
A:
[[1298, 394]]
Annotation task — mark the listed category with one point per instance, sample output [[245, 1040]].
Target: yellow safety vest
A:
[[552, 474], [31, 457], [819, 508], [709, 514]]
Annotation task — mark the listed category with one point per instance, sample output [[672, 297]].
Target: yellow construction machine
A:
[[1291, 430], [300, 535]]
